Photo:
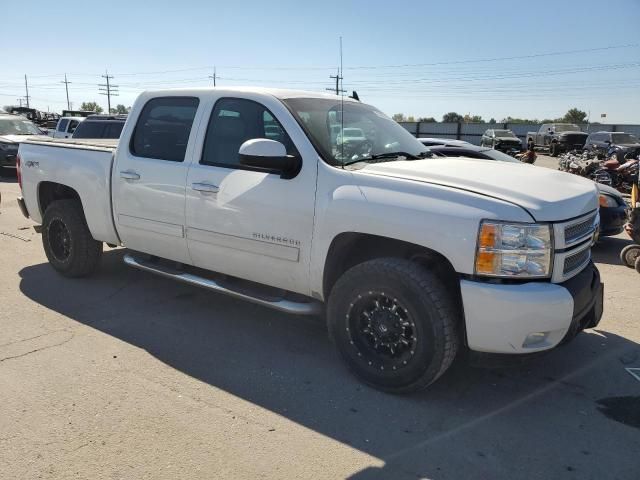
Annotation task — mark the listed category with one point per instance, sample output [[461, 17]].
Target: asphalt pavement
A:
[[126, 375]]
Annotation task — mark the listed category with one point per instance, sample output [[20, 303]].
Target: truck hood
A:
[[548, 195]]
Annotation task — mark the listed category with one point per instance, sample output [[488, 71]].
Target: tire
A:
[[421, 339], [629, 255], [554, 150], [638, 264], [66, 239]]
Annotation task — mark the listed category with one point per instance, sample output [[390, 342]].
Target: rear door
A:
[[246, 222], [149, 178]]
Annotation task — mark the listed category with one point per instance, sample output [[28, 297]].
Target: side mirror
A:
[[608, 142], [269, 155]]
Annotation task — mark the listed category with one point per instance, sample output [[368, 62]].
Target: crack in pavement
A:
[[46, 347]]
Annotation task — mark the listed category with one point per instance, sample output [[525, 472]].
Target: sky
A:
[[422, 58]]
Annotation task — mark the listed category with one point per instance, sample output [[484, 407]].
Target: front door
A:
[[149, 179], [246, 222]]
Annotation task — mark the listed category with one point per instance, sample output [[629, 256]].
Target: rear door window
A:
[[62, 125], [163, 128]]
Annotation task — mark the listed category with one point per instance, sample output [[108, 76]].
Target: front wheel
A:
[[394, 324], [67, 241], [554, 149]]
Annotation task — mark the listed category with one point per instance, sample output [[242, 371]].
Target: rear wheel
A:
[[629, 255], [394, 324], [67, 241]]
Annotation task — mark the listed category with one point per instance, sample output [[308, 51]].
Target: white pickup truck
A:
[[248, 192]]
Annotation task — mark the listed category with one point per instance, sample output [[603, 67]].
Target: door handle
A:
[[129, 175], [205, 187]]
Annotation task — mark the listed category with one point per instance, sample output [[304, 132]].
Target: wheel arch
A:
[[348, 249], [49, 192]]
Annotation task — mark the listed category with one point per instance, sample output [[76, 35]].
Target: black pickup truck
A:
[[558, 138]]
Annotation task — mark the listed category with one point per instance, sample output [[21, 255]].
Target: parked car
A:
[[503, 140], [613, 208], [607, 143], [473, 151], [13, 130], [614, 211], [65, 127], [414, 258], [429, 142], [558, 138], [100, 126]]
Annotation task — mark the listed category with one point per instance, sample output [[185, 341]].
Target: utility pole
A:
[[337, 78], [26, 89], [66, 86], [214, 76], [108, 89], [19, 101]]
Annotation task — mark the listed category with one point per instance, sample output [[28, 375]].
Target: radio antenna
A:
[[341, 79]]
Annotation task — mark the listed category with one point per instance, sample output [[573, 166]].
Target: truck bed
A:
[[83, 165]]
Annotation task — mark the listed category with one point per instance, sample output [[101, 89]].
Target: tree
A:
[[410, 118], [120, 109], [472, 119], [575, 116], [452, 117], [427, 119], [398, 117], [492, 120], [91, 107]]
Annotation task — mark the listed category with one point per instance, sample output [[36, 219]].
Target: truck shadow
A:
[[537, 420]]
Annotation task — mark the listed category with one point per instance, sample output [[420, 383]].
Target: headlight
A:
[[608, 201], [514, 250]]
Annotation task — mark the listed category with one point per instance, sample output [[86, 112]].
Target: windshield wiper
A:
[[391, 156]]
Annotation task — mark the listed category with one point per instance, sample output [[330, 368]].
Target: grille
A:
[[578, 230], [572, 262]]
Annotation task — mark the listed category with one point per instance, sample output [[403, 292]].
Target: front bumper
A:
[[530, 317], [612, 220]]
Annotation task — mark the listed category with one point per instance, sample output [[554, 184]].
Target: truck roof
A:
[[280, 93]]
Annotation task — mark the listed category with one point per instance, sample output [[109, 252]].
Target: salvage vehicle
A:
[[13, 130], [558, 138], [100, 126], [65, 127], [503, 140], [609, 143], [411, 258]]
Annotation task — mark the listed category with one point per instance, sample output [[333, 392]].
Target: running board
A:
[[312, 307]]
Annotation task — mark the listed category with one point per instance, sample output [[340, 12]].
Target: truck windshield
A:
[[349, 132], [17, 127], [566, 127]]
